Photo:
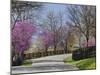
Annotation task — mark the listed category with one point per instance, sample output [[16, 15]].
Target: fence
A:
[[42, 54], [84, 53]]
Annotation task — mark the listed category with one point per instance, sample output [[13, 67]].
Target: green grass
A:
[[84, 64], [27, 63]]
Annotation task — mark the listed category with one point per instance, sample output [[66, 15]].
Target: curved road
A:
[[45, 64]]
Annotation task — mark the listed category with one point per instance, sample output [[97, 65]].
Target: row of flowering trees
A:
[[23, 32]]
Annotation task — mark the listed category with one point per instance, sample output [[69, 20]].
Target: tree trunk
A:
[[66, 47], [46, 50], [55, 48], [80, 40], [87, 42]]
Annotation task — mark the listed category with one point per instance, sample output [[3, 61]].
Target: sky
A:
[[55, 7]]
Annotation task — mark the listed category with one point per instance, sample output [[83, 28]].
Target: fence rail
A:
[[42, 54]]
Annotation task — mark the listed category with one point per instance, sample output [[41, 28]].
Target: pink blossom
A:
[[22, 34]]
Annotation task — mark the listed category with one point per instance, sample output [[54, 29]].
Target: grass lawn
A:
[[27, 63], [84, 64]]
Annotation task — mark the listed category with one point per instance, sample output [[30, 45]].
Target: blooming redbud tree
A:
[[22, 35], [47, 38]]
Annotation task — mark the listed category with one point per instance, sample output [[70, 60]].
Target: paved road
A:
[[55, 58], [45, 64]]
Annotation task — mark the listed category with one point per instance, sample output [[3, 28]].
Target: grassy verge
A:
[[83, 64], [27, 63]]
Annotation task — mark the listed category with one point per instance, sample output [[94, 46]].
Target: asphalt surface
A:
[[45, 64]]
